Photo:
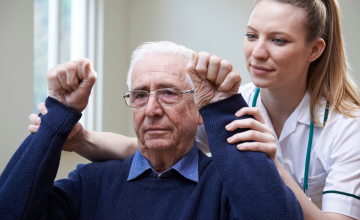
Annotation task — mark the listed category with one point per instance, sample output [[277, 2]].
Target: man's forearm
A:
[[28, 178], [253, 185]]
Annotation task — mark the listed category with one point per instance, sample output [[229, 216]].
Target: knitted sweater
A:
[[232, 185]]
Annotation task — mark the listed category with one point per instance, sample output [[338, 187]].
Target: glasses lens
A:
[[169, 96], [137, 98]]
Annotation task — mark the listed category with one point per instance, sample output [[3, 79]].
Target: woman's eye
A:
[[250, 36], [279, 41]]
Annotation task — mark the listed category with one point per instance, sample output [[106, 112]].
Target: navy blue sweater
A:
[[232, 185]]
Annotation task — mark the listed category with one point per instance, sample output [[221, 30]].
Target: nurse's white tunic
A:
[[335, 154]]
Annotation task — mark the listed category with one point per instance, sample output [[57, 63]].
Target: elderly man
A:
[[168, 177]]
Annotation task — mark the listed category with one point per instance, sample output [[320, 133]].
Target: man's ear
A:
[[200, 121], [317, 49]]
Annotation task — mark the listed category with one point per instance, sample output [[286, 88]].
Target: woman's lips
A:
[[260, 70]]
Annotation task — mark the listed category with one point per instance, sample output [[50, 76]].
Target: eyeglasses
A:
[[167, 96]]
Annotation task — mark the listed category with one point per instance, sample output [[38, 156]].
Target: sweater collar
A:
[[187, 166]]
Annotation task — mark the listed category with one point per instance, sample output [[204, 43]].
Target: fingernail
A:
[[229, 139], [239, 147], [44, 111], [227, 127], [237, 114]]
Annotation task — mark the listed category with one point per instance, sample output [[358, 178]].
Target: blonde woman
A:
[[302, 98]]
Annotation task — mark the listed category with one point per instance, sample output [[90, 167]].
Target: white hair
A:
[[161, 47]]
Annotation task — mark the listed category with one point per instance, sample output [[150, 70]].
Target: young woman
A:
[[304, 103]]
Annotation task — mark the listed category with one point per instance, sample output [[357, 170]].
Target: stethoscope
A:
[[311, 134]]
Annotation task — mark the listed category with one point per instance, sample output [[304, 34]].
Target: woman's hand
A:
[[75, 138], [259, 132]]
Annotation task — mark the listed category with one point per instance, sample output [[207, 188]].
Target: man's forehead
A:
[[160, 71]]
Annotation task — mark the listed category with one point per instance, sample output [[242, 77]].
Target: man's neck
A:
[[280, 103], [162, 160]]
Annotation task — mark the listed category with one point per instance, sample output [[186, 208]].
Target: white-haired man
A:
[[167, 178]]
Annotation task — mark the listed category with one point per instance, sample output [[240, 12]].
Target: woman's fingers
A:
[[267, 148], [35, 120], [33, 128], [251, 135], [251, 111], [261, 135], [42, 108], [248, 123]]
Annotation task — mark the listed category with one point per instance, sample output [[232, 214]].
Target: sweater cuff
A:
[[219, 114], [59, 119]]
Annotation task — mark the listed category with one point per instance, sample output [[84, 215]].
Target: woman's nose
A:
[[260, 50]]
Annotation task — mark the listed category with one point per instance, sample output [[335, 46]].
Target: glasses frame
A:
[[157, 98]]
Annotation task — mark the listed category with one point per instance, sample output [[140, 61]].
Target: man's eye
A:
[[250, 36], [169, 93], [140, 95]]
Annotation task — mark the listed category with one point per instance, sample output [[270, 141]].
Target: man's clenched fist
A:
[[214, 78], [70, 83]]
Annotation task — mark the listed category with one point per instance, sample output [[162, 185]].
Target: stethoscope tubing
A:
[[311, 134]]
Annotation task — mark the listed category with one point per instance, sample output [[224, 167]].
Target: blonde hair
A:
[[328, 77]]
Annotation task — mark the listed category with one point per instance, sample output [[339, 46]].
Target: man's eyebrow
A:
[[159, 86], [166, 85], [141, 88]]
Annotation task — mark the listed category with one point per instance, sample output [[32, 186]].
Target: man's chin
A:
[[159, 144]]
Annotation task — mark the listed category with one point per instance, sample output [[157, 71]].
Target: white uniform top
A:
[[335, 154]]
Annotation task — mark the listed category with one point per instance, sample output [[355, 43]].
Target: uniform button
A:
[[154, 176]]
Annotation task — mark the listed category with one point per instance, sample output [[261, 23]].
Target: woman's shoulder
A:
[[338, 119], [344, 129]]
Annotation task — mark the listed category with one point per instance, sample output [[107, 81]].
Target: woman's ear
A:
[[317, 49]]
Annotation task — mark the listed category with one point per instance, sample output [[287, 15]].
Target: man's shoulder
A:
[[105, 168], [206, 165]]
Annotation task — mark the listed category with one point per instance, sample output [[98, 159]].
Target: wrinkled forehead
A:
[[159, 71]]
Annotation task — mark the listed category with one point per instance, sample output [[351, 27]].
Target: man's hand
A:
[[214, 78], [75, 138], [70, 83]]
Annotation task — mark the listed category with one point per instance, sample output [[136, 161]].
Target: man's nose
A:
[[260, 50], [153, 107]]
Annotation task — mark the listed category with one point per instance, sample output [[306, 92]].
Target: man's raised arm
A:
[[26, 184], [251, 180]]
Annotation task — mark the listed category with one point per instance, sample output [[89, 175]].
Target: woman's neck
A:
[[280, 103]]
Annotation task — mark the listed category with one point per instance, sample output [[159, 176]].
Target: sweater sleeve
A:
[[27, 184], [251, 180]]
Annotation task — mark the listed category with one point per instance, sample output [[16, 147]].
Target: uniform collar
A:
[[303, 110], [301, 114], [187, 166]]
